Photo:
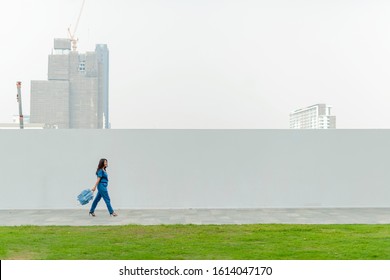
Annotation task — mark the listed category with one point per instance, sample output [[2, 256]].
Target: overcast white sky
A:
[[213, 63]]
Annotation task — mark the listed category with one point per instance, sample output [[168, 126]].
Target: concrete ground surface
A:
[[197, 216]]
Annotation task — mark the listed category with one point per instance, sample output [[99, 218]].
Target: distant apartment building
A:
[[76, 92], [26, 124], [26, 119], [16, 126], [313, 117]]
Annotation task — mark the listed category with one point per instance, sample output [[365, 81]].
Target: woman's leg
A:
[[104, 193], [95, 202]]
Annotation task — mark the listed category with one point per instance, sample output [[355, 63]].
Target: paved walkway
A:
[[198, 216]]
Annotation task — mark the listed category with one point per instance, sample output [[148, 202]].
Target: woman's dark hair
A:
[[100, 165]]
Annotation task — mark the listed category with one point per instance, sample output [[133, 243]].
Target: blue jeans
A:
[[102, 192]]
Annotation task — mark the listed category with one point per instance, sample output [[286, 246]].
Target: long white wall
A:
[[197, 168]]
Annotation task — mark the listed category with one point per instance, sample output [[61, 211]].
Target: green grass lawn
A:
[[194, 242]]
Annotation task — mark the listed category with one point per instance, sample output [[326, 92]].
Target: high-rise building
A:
[[315, 117], [76, 92]]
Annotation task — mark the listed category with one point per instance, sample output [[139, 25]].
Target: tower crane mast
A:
[[72, 35]]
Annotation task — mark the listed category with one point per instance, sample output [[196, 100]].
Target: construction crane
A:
[[72, 35], [19, 98]]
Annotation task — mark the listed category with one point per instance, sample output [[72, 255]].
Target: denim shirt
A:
[[103, 177]]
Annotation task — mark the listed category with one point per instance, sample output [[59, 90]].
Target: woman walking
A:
[[101, 184]]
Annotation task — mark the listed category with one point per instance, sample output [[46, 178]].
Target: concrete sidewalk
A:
[[198, 216]]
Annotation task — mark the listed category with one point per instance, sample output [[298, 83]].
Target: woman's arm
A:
[[97, 182]]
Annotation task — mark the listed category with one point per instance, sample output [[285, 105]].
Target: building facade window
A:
[[82, 66]]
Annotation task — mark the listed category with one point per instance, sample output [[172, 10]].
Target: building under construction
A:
[[76, 92]]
